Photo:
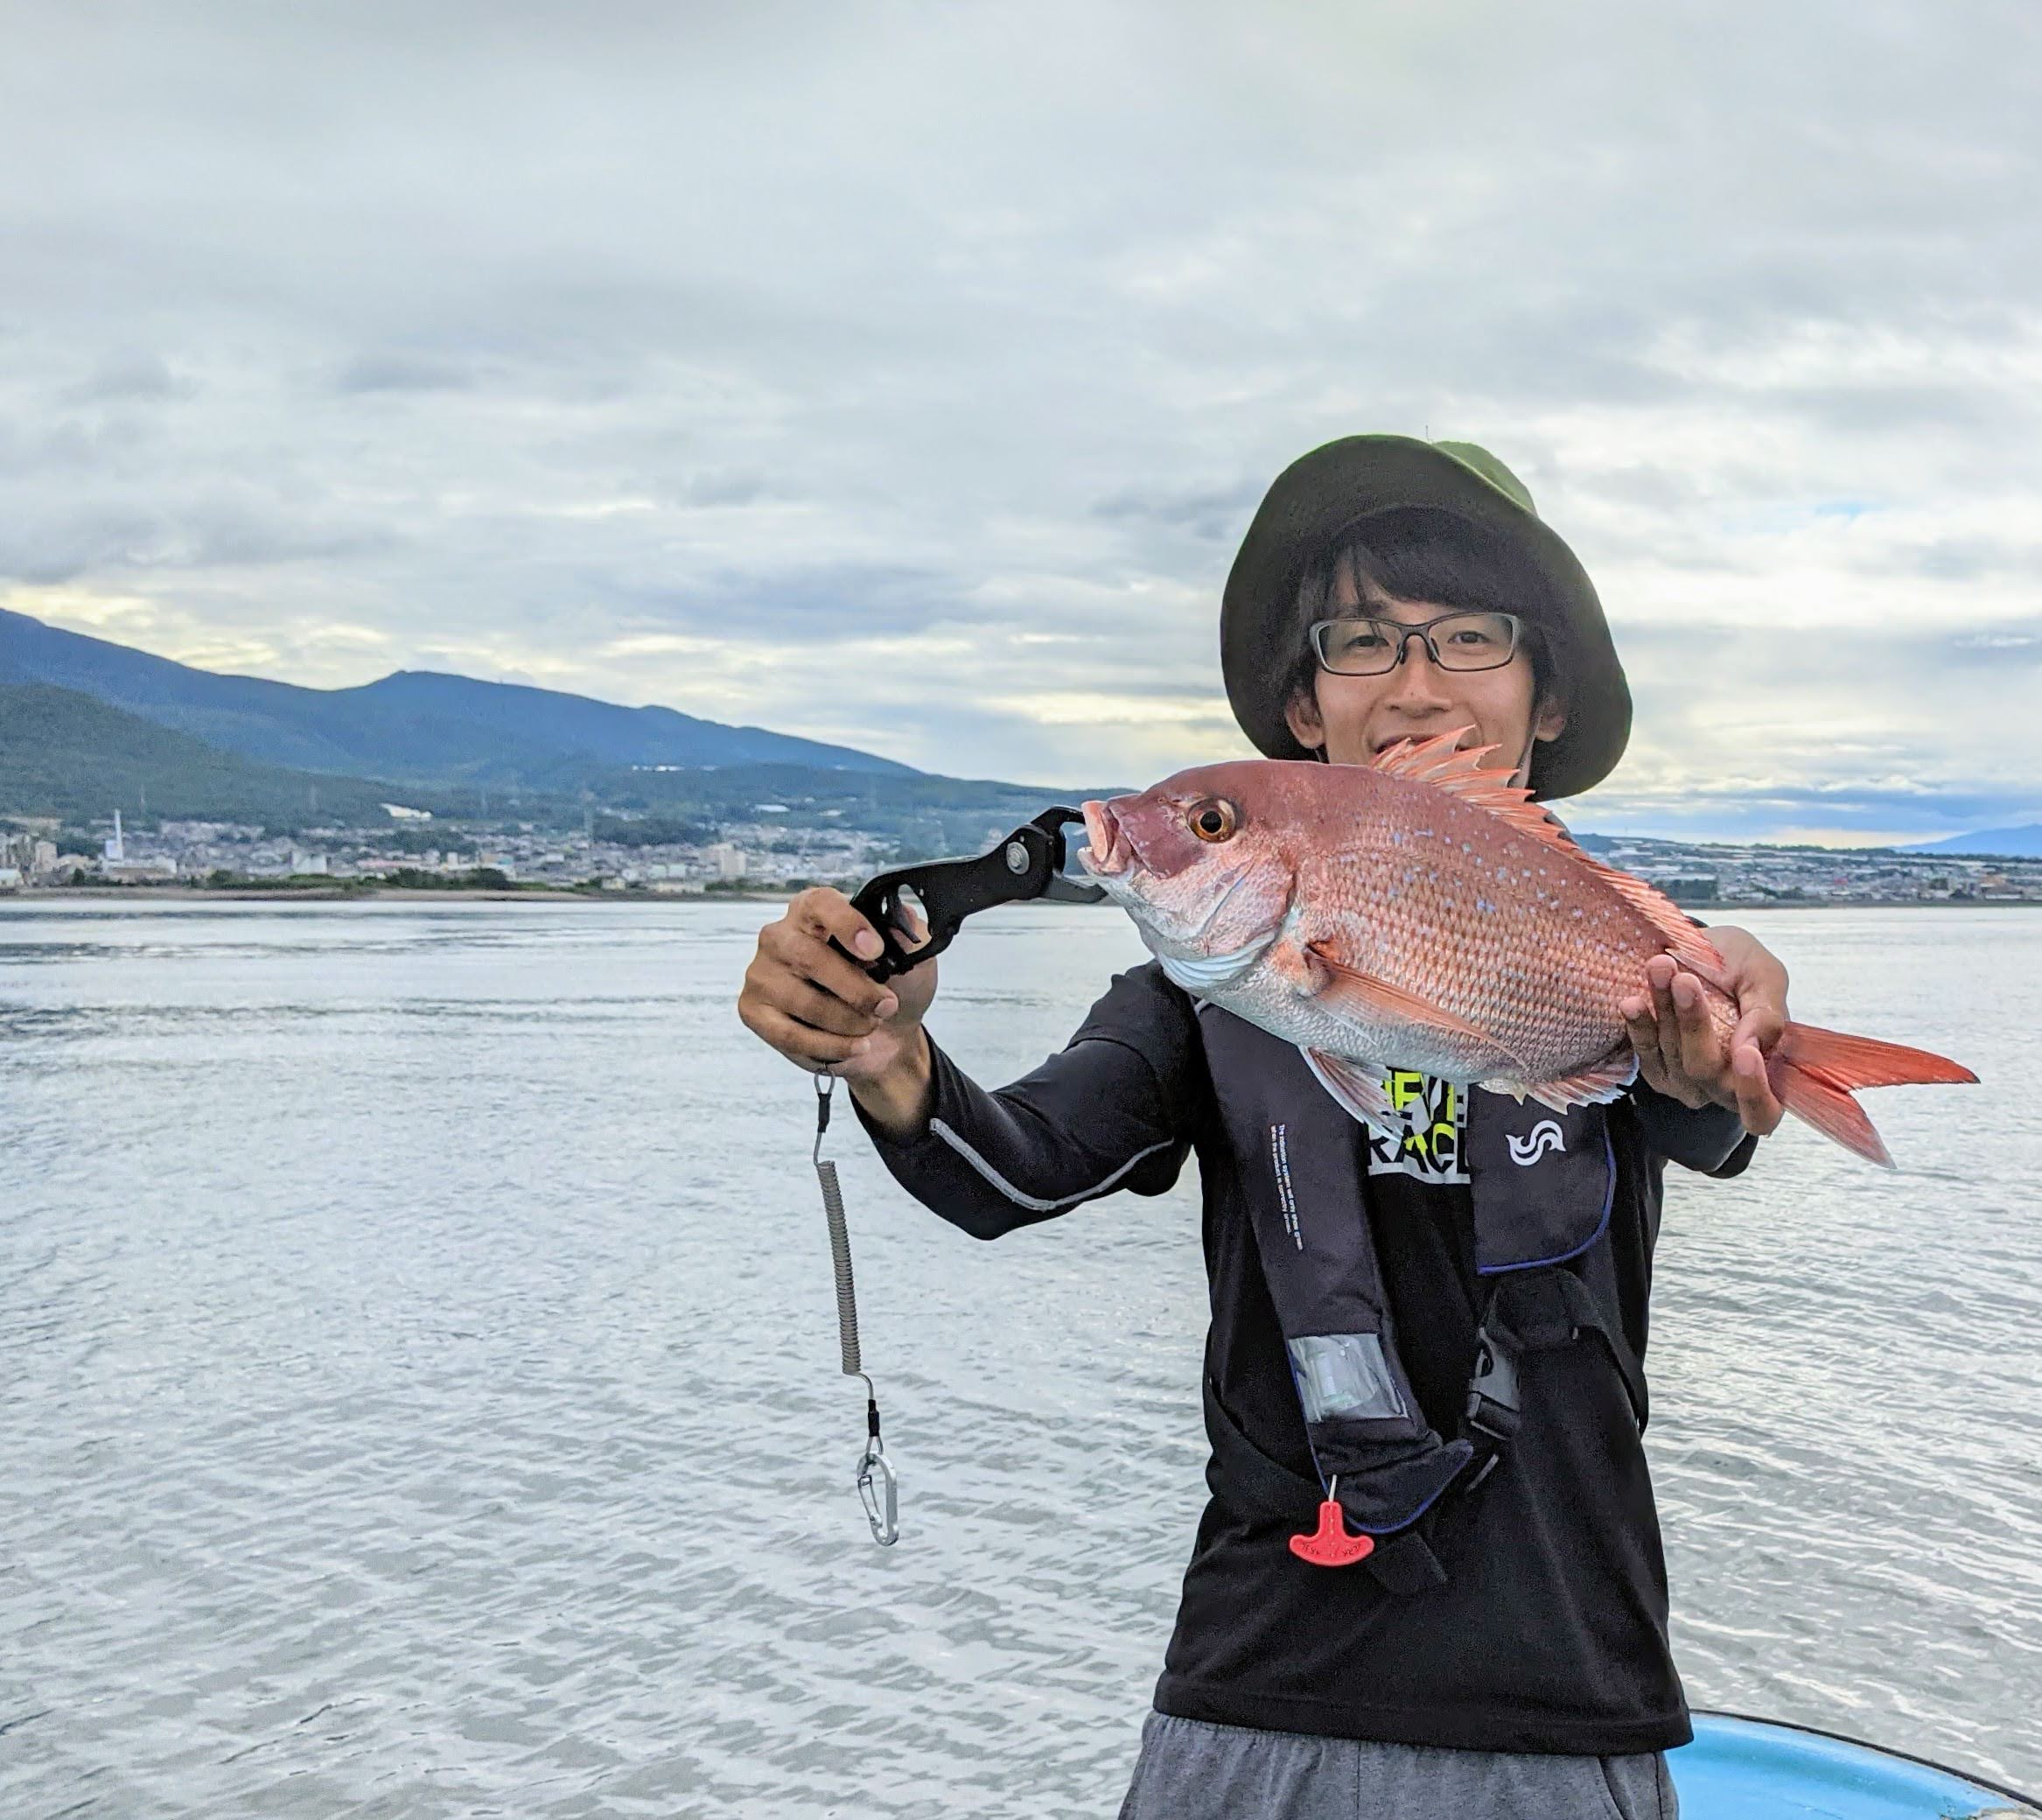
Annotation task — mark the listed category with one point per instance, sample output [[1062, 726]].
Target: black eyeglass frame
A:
[[1402, 634]]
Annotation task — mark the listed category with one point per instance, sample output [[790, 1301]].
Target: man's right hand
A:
[[824, 1014]]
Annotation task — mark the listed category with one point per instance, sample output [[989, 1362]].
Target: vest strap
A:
[[1405, 1565], [1538, 1311], [1246, 1480]]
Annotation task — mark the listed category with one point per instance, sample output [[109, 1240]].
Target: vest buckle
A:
[[1492, 1407]]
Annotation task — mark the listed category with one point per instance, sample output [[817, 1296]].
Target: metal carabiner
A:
[[879, 1492]]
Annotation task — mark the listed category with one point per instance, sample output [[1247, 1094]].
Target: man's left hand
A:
[[1679, 1054]]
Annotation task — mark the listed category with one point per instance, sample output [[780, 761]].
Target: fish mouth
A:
[[1107, 850]]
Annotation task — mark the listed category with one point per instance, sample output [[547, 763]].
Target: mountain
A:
[[416, 726], [64, 753], [2023, 842]]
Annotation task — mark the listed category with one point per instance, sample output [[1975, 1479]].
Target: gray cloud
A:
[[212, 533], [1210, 513], [91, 540], [1862, 813], [128, 373], [726, 487], [401, 372], [1965, 559], [808, 604]]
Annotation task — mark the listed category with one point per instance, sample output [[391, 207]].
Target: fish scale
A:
[[1422, 913], [1481, 920]]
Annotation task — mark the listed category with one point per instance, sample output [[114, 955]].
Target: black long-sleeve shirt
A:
[[1550, 1633]]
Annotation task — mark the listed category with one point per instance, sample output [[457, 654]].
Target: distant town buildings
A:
[[778, 850], [118, 866], [139, 869], [728, 860], [767, 855], [1757, 876], [26, 857]]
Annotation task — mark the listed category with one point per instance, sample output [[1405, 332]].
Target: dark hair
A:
[[1423, 553]]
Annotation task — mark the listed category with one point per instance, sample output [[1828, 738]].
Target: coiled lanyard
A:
[[879, 1485], [1028, 864]]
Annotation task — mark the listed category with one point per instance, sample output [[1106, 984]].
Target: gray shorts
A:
[[1191, 1770]]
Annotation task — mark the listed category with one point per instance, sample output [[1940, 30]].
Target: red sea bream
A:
[[1422, 913]]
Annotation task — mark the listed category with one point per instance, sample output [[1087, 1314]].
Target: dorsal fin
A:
[[1439, 761], [1686, 943]]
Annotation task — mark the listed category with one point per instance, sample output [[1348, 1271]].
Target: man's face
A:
[[1354, 718]]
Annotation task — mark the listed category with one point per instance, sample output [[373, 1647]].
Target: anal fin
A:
[[1595, 1086]]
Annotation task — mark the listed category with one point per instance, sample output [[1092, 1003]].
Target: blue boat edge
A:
[[1770, 1769]]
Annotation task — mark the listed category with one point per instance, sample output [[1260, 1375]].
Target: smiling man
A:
[[1481, 1629]]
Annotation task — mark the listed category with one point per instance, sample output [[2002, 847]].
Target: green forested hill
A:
[[64, 753], [453, 732], [88, 726], [71, 755]]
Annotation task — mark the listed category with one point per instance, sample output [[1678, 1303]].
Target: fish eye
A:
[[1213, 819]]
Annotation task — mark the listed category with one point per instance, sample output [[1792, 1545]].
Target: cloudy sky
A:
[[905, 376]]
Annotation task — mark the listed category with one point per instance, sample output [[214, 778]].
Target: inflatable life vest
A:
[[1541, 1183]]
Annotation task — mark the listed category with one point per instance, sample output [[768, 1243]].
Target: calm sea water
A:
[[421, 1391]]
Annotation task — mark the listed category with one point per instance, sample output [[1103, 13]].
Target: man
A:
[[1501, 1650]]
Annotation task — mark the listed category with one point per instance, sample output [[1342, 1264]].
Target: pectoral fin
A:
[[1369, 999]]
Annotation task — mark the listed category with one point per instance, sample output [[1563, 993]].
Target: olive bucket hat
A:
[[1320, 499]]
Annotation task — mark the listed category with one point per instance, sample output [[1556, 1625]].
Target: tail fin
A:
[[1813, 1071]]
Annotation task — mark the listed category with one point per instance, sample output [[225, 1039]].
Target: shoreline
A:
[[326, 894], [548, 894]]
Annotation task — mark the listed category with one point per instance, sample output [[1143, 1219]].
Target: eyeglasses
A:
[[1455, 642]]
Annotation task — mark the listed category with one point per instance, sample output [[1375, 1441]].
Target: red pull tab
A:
[[1331, 1545]]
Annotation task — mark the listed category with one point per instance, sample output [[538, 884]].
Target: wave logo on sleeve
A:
[[1432, 1115], [1542, 1136]]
